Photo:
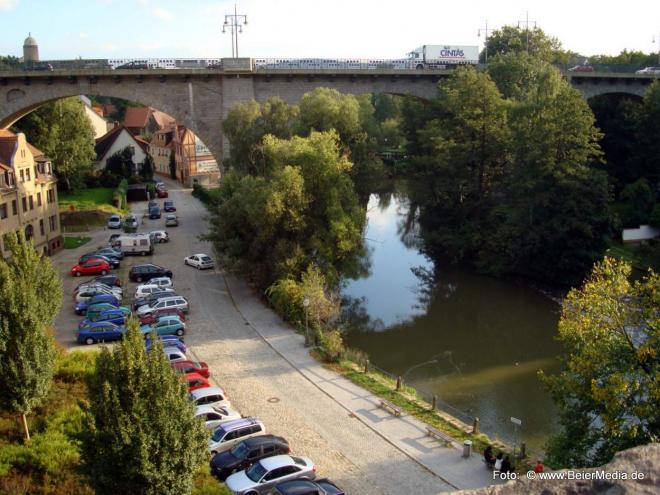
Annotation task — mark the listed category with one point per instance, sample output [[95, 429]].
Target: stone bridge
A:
[[201, 98]]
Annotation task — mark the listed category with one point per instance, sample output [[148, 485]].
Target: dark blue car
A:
[[102, 331], [116, 316], [168, 341], [81, 308]]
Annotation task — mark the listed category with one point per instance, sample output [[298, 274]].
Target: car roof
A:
[[200, 254], [277, 461], [205, 392], [297, 487], [172, 349], [235, 423], [102, 324], [264, 439]]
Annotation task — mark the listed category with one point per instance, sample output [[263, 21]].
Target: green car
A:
[[95, 309], [166, 325]]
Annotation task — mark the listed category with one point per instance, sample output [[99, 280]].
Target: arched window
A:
[[29, 232]]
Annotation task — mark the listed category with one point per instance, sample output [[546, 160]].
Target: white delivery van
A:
[[134, 244]]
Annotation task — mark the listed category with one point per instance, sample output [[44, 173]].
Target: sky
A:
[[312, 28]]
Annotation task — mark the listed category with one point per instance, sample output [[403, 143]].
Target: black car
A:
[[112, 261], [143, 273], [169, 205], [134, 65], [112, 252], [151, 299], [246, 453], [109, 280], [307, 487], [154, 212]]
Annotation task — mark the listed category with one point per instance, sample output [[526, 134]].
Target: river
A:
[[475, 342]]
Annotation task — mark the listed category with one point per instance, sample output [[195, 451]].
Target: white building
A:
[[116, 140], [98, 123]]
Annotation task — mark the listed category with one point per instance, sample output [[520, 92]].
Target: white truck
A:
[[134, 244], [443, 56]]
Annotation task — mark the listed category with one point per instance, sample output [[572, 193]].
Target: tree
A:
[[147, 168], [143, 437], [31, 294], [535, 42], [609, 393], [645, 162], [121, 163], [637, 201], [63, 132], [172, 165]]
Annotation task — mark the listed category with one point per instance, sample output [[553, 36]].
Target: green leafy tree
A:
[[63, 132], [172, 166], [645, 162], [535, 42], [143, 437], [121, 163], [609, 394], [147, 168], [31, 294], [637, 200]]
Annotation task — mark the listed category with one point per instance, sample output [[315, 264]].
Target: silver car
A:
[[214, 416], [200, 261], [268, 472]]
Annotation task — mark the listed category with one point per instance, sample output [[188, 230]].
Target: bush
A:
[[108, 179], [50, 452], [75, 366], [119, 196], [333, 344]]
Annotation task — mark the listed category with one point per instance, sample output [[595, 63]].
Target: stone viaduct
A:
[[201, 98]]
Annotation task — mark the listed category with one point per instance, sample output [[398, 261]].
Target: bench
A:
[[388, 406], [438, 435]]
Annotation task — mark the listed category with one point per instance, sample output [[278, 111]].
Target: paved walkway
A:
[[406, 433]]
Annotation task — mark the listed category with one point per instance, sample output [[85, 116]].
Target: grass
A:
[[72, 242], [630, 253], [99, 198]]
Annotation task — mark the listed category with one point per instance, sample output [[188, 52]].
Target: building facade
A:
[[195, 164], [116, 140], [28, 195], [98, 123], [160, 149]]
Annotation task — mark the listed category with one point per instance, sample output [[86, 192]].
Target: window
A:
[[3, 210], [41, 227], [14, 207], [27, 174], [269, 449], [232, 435], [52, 222], [22, 174], [24, 203], [31, 202], [38, 199]]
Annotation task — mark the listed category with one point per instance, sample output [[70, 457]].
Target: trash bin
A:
[[467, 448]]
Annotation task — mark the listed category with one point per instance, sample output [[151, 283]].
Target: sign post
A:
[[516, 424]]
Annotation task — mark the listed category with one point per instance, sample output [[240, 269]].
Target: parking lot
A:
[[258, 380]]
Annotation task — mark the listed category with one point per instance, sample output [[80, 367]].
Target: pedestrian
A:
[[498, 462], [506, 465], [539, 467], [489, 458]]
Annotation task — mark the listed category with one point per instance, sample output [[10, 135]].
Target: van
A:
[[228, 434], [134, 244]]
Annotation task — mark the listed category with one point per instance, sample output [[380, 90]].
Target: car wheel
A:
[[250, 493], [104, 272], [185, 261], [78, 274], [199, 267], [139, 279], [144, 253], [161, 241], [179, 332], [89, 341]]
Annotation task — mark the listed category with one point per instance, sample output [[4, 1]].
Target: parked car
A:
[[581, 68], [154, 212], [174, 354], [228, 434], [246, 453], [113, 315], [102, 331], [114, 222], [81, 307], [110, 251], [87, 293], [151, 204], [214, 396], [92, 285], [110, 280], [92, 266], [266, 473], [94, 310], [199, 261], [113, 238], [166, 325], [159, 236], [168, 341], [161, 192], [215, 416], [162, 282], [153, 298], [178, 302], [153, 317], [649, 70], [189, 366], [132, 243], [112, 261], [143, 273], [131, 222], [307, 487], [168, 206], [196, 381], [145, 290], [171, 220]]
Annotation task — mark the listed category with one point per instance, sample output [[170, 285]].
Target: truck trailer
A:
[[443, 56]]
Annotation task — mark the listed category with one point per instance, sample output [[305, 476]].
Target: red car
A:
[[153, 317], [161, 193], [195, 381], [92, 266], [200, 368]]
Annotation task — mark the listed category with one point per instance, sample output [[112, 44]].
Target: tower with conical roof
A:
[[30, 49]]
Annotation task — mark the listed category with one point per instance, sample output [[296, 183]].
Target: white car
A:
[[162, 282], [114, 222], [228, 434], [148, 289], [159, 236], [214, 416], [86, 294], [266, 473], [177, 302], [649, 70], [213, 396], [175, 354], [199, 261]]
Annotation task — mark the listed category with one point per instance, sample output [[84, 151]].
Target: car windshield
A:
[[240, 451], [218, 434], [206, 258], [256, 472]]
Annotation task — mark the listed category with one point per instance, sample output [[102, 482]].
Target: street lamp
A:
[[234, 22], [305, 304], [658, 46], [486, 31], [527, 22]]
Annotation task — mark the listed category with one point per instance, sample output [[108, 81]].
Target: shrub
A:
[[50, 452], [108, 179], [333, 344], [75, 366]]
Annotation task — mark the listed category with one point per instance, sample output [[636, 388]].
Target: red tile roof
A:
[[137, 117], [8, 142]]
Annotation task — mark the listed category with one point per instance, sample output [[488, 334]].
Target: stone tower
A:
[[30, 49]]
